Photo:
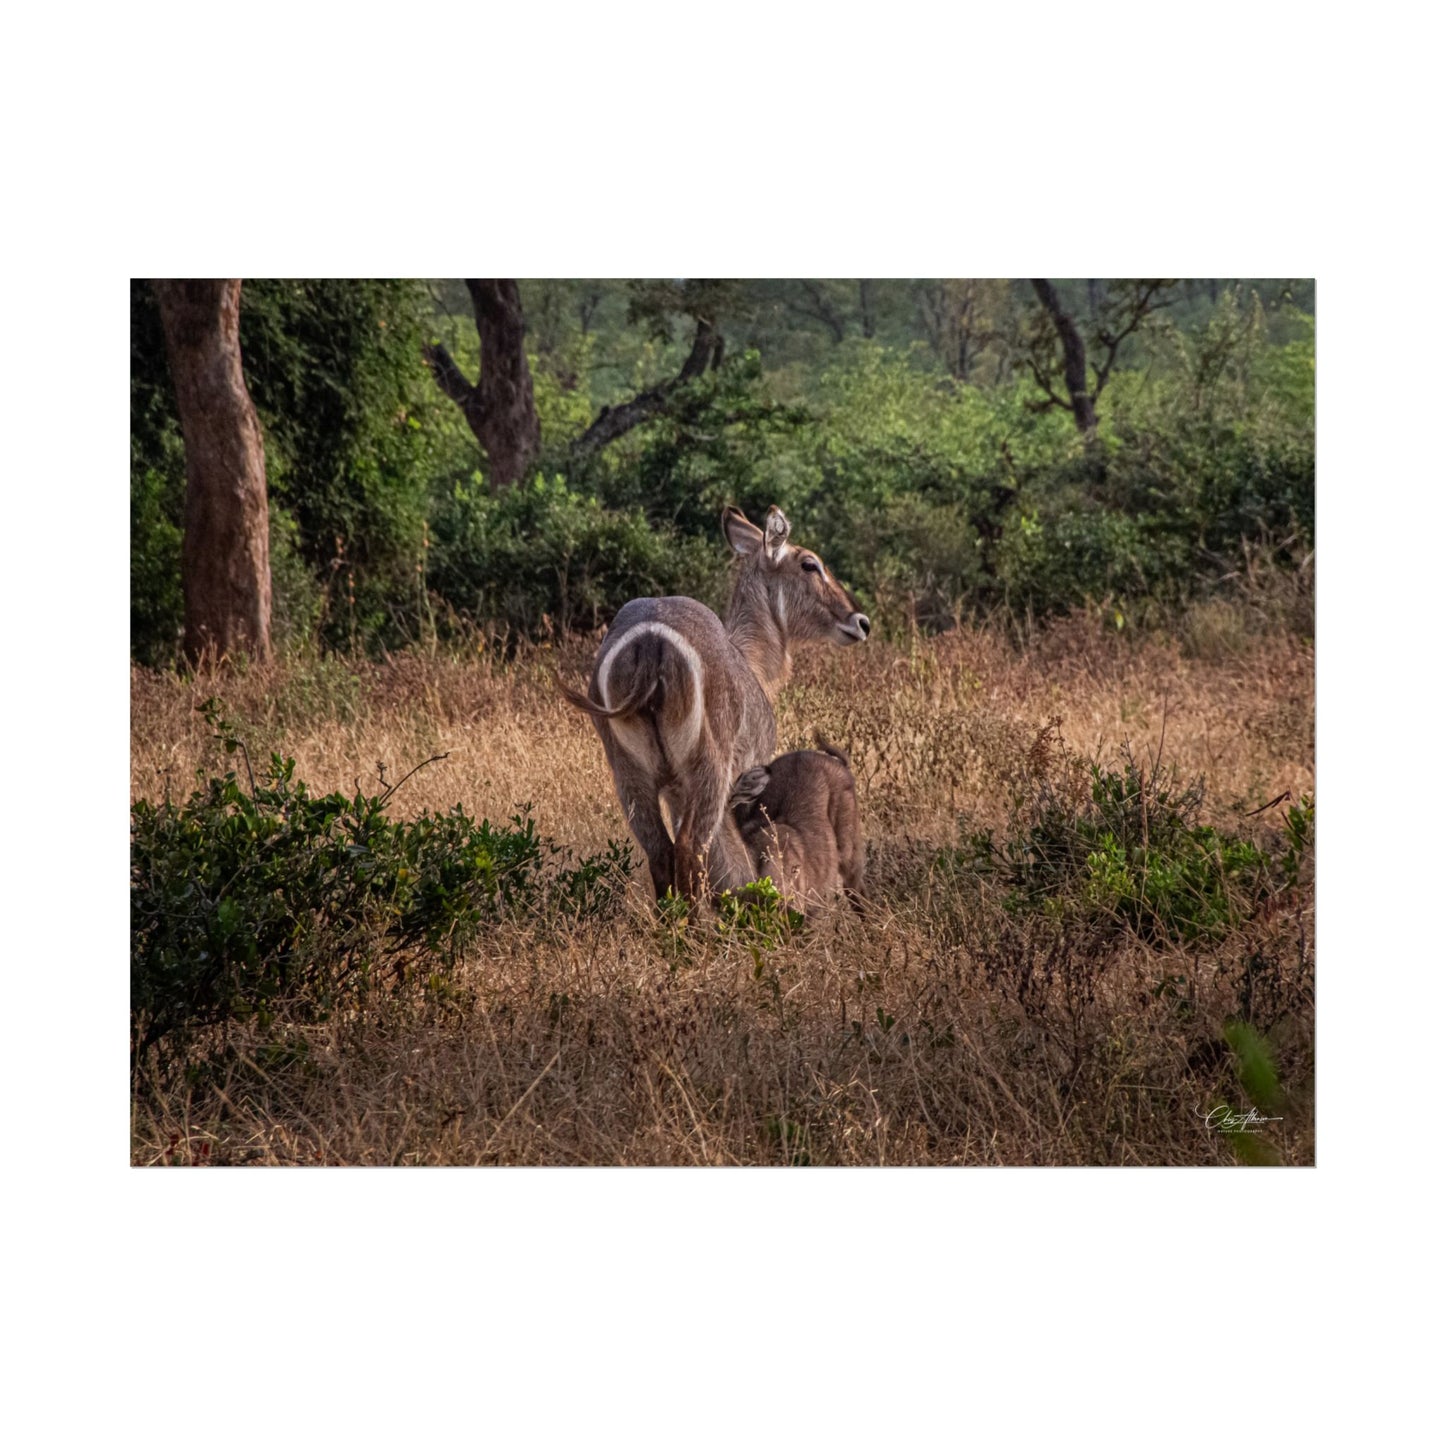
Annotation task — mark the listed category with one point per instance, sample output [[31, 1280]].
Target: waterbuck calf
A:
[[798, 819], [683, 702]]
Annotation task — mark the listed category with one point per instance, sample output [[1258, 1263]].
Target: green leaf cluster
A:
[[1133, 855], [253, 896]]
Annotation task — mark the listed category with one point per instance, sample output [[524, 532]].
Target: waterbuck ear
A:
[[743, 537], [777, 531]]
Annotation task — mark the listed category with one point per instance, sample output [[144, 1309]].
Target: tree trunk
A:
[[865, 306], [225, 555], [1076, 375], [500, 408]]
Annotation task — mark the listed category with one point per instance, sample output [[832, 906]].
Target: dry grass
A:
[[872, 1040]]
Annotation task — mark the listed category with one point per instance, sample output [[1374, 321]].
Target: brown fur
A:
[[683, 702], [798, 818]]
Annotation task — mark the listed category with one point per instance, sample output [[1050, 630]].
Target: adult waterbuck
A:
[[683, 703]]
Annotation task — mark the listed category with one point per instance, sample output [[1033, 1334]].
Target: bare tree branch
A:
[[614, 421], [449, 377], [816, 307], [1045, 386], [1141, 305]]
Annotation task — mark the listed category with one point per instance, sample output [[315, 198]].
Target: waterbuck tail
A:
[[637, 699]]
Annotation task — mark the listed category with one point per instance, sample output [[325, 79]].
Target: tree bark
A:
[[499, 408], [1076, 373], [225, 554]]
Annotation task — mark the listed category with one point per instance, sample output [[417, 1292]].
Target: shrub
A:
[[544, 555], [250, 898], [297, 600], [714, 445], [758, 913], [1127, 850], [595, 887], [156, 605]]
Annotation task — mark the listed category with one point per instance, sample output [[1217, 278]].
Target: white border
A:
[[1248, 140]]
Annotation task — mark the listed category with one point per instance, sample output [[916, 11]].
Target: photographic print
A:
[[797, 723]]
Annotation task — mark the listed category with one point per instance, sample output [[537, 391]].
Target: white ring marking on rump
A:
[[680, 741]]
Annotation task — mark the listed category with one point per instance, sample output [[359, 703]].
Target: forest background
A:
[[522, 457]]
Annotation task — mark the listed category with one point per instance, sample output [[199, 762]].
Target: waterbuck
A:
[[798, 819], [683, 703]]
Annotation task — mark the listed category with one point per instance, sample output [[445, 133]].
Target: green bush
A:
[[758, 913], [298, 602], [543, 555], [930, 497], [157, 490], [253, 897], [714, 446], [157, 612], [1126, 850]]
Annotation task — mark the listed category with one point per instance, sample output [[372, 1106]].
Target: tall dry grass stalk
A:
[[882, 1039]]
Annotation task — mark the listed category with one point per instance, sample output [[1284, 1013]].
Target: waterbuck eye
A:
[[811, 564]]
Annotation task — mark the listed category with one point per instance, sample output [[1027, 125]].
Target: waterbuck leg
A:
[[638, 795], [850, 847], [702, 812]]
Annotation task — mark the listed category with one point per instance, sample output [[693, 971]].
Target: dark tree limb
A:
[[1053, 398], [865, 308], [454, 385], [614, 421], [1143, 302], [1076, 361], [816, 307]]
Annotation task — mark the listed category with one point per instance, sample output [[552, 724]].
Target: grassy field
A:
[[944, 1026]]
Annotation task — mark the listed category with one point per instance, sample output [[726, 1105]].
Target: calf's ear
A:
[[749, 788]]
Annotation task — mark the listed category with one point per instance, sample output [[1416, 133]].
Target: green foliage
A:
[[897, 422], [1258, 1076], [904, 477], [298, 601], [657, 306], [1254, 1064], [157, 489], [544, 556], [255, 895], [1127, 851], [596, 886], [757, 913], [356, 433], [1299, 833], [712, 447], [791, 1139], [1065, 552], [157, 612]]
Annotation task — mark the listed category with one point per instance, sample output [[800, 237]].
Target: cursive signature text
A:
[[1227, 1121]]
